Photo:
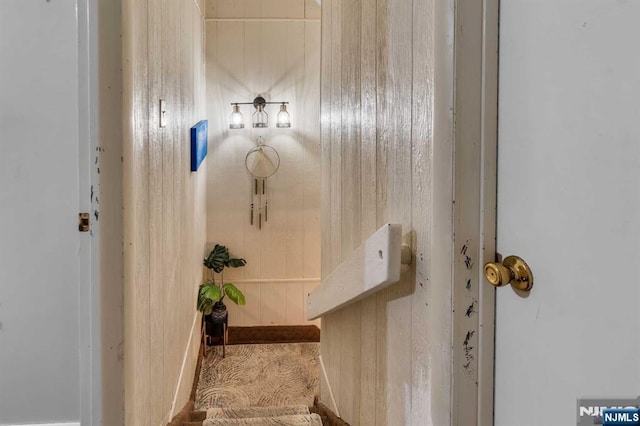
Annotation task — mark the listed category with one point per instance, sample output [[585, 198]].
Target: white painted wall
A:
[[76, 99], [251, 51], [44, 260]]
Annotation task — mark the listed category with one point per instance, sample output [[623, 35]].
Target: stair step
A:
[[246, 412], [198, 416], [295, 420]]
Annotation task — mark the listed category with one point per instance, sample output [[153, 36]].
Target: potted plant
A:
[[211, 294]]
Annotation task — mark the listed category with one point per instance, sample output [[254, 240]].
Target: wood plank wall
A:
[[387, 149], [164, 204], [270, 47]]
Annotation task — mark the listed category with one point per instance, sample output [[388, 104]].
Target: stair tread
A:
[[245, 412], [292, 420], [198, 416]]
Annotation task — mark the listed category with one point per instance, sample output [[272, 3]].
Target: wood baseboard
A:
[[183, 416], [329, 418], [273, 334]]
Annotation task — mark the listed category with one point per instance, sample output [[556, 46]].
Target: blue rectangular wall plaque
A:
[[199, 134]]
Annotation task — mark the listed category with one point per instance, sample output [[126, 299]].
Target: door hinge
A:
[[84, 223]]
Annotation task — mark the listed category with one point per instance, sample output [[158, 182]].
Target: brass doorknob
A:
[[513, 270]]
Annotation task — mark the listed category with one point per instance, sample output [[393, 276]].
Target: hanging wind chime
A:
[[261, 162]]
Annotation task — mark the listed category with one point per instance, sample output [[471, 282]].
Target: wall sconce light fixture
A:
[[260, 118], [236, 121], [283, 117]]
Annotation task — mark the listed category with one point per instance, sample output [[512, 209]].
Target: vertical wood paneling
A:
[[366, 412], [280, 60], [312, 9], [156, 386], [368, 114], [265, 9], [253, 316], [164, 220], [225, 8], [382, 149], [336, 135], [294, 303], [368, 158], [311, 156], [422, 131], [326, 66], [293, 81], [395, 112], [382, 153], [333, 322], [136, 236], [272, 71], [282, 303], [349, 152], [379, 62], [170, 86], [380, 405]]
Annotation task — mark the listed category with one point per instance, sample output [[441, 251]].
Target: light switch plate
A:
[[163, 113]]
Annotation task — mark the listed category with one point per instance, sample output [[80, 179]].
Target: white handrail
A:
[[372, 266]]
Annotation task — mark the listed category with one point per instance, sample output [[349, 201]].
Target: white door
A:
[[569, 205], [44, 273]]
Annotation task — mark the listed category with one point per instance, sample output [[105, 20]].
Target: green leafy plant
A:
[[214, 291]]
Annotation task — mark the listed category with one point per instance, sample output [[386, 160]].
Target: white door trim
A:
[[89, 256], [476, 101]]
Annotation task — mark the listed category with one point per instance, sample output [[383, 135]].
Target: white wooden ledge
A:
[[373, 266]]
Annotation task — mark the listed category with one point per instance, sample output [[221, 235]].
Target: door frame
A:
[[90, 334], [474, 210]]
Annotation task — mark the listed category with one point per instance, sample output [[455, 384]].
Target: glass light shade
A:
[[283, 117], [236, 121], [260, 118]]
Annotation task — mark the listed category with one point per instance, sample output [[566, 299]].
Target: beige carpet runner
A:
[[243, 412], [262, 416], [260, 385], [274, 375]]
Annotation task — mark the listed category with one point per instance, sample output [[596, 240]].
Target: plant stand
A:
[[206, 339]]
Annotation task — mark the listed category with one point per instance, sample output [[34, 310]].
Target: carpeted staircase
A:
[[297, 415], [269, 377]]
